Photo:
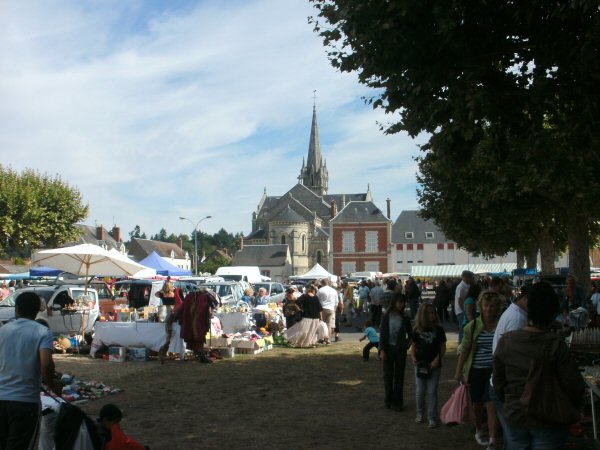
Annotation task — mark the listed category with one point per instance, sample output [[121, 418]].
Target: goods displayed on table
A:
[[586, 340]]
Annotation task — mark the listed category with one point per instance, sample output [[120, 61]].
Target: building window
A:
[[348, 267], [409, 235], [372, 266], [450, 255], [347, 241], [420, 255], [429, 235], [319, 256], [372, 243], [283, 238], [410, 256], [440, 254], [303, 240]]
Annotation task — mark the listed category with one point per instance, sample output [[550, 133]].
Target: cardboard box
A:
[[138, 354], [228, 352], [221, 341], [117, 354], [251, 345]]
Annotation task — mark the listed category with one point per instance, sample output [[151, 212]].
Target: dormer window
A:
[[429, 235], [409, 235]]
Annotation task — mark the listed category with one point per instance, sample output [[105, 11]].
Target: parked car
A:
[[275, 291], [230, 292], [58, 319]]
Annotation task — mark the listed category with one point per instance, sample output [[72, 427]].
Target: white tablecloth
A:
[[136, 334]]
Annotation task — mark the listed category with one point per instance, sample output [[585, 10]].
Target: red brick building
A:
[[360, 235]]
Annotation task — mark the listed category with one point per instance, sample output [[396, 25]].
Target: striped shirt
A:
[[484, 358]]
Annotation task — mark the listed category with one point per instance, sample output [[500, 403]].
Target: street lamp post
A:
[[195, 240]]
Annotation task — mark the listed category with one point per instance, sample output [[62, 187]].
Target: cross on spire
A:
[[314, 98]]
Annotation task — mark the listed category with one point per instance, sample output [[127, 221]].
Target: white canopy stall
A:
[[318, 272]]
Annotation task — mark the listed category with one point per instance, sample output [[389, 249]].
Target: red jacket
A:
[[120, 441]]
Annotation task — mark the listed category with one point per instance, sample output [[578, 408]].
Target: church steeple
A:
[[314, 174]]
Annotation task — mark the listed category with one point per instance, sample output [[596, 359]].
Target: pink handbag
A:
[[458, 408]]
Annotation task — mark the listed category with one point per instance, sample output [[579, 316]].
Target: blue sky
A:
[[156, 110]]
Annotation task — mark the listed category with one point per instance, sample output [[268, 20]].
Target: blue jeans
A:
[[459, 318], [550, 438], [428, 386]]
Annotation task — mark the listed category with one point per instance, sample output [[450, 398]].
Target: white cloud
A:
[[155, 113]]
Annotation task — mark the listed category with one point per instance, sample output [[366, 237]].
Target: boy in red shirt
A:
[[111, 432]]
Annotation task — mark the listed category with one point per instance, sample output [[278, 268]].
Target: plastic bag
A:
[[458, 408]]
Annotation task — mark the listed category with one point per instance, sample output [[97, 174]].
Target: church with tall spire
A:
[[298, 221]]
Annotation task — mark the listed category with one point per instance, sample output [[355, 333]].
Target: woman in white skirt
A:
[[304, 333]]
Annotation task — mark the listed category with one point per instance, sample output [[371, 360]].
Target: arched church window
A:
[[303, 243], [283, 238], [319, 256]]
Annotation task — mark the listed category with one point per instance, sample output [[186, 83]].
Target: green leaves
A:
[[37, 211]]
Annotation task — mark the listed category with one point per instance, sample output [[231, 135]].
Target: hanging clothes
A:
[[196, 313]]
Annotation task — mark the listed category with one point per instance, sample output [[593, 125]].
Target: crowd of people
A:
[[502, 337]]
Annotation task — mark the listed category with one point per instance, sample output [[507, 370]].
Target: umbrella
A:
[[87, 260]]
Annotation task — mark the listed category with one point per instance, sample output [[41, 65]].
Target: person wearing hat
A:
[[110, 430], [462, 289]]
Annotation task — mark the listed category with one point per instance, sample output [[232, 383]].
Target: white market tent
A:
[[453, 271], [316, 273]]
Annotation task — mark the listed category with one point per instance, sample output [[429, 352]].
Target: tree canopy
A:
[[37, 211], [506, 91]]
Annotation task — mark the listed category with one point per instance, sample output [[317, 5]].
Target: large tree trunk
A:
[[531, 258], [579, 250], [520, 259], [547, 252]]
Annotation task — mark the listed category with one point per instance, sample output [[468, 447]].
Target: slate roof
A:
[[258, 234], [89, 236], [141, 248], [262, 255], [360, 212], [287, 214], [410, 221]]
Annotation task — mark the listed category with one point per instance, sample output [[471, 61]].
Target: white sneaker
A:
[[481, 439], [420, 419]]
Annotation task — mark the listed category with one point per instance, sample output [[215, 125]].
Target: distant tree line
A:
[[207, 244]]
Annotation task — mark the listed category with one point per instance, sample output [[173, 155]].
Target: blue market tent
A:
[[44, 271], [162, 267]]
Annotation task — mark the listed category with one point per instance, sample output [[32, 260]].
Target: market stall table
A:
[[150, 335]]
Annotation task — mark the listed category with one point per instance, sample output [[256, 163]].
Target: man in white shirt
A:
[[468, 278], [328, 297]]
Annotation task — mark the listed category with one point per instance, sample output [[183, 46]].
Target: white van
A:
[[251, 274]]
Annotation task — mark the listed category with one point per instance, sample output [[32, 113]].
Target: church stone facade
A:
[[300, 217]]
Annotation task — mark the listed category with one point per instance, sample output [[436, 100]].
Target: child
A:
[[111, 432], [371, 334], [428, 349]]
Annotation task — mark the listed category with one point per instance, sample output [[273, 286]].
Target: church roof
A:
[[262, 255], [360, 212], [314, 146], [340, 198], [288, 215], [258, 234]]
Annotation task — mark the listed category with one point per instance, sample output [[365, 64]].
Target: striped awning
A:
[[456, 270]]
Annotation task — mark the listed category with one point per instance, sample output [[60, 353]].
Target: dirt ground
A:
[[325, 398]]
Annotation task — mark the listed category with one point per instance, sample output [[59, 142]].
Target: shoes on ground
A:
[[419, 419], [432, 424], [481, 439], [491, 446], [397, 408], [338, 339]]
